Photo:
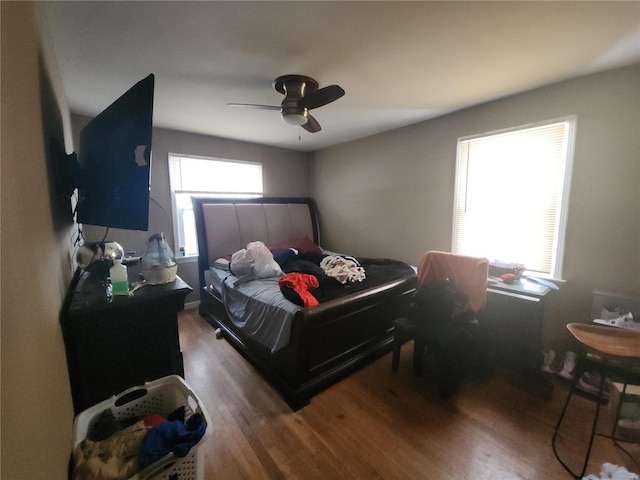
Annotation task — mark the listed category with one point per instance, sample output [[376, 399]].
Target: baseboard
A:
[[192, 305]]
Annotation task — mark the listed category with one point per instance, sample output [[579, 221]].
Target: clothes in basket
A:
[[135, 436]]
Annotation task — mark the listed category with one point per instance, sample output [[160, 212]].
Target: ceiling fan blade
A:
[[322, 97], [253, 105], [312, 125]]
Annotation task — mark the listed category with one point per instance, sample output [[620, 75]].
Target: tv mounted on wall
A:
[[114, 162]]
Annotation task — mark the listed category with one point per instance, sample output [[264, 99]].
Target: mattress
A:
[[257, 307], [260, 309]]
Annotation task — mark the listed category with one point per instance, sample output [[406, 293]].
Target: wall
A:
[[37, 412], [392, 194], [285, 173]]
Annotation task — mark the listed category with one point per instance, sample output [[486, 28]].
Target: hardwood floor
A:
[[377, 424]]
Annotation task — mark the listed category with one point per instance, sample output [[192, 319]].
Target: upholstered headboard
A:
[[225, 226]]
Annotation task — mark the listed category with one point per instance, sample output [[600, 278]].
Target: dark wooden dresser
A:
[[119, 342]]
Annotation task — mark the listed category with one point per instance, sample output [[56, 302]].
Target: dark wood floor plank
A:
[[377, 424]]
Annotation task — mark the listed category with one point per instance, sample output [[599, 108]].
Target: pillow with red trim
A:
[[303, 244]]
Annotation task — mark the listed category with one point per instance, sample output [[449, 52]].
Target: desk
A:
[[114, 344], [512, 323]]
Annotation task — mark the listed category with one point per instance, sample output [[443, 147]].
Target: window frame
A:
[[559, 241], [178, 222]]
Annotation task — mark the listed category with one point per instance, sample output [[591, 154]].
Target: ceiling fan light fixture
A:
[[301, 94], [296, 118]]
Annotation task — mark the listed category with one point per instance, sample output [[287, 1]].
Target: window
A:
[[512, 195], [189, 175]]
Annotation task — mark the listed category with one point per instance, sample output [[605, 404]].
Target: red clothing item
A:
[[301, 283]]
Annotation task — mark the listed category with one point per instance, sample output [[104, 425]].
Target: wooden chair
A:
[[614, 353], [469, 275]]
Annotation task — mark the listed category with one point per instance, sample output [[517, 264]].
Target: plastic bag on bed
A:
[[241, 263], [256, 261]]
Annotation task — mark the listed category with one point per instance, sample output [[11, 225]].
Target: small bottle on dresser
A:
[[119, 279]]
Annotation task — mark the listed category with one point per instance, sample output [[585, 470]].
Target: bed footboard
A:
[[327, 342]]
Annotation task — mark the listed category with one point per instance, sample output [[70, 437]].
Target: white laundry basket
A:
[[161, 396]]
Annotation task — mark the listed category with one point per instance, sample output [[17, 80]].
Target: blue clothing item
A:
[[283, 255], [167, 437]]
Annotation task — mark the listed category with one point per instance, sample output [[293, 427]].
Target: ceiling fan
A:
[[301, 94]]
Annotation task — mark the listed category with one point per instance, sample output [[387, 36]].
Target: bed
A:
[[308, 348]]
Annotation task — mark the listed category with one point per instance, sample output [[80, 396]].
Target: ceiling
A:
[[399, 62]]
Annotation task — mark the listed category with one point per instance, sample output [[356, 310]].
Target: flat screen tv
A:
[[114, 162]]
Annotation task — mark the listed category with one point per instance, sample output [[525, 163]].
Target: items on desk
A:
[[508, 278], [499, 268], [543, 282], [525, 282], [510, 273]]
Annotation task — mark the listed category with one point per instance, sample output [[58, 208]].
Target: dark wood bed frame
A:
[[328, 341]]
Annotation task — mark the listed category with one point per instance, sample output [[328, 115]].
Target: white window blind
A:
[[512, 195], [215, 177]]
